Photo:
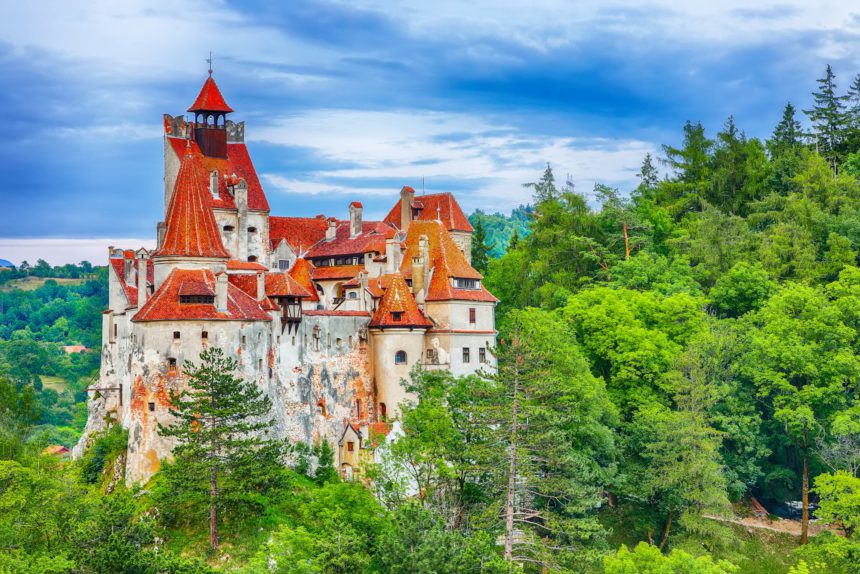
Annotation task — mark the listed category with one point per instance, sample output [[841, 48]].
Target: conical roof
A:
[[398, 308], [210, 99], [191, 229]]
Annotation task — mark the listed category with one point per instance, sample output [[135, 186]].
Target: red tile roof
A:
[[210, 99], [300, 233], [282, 285], [447, 261], [238, 161], [372, 238], [336, 272], [247, 282], [131, 290], [438, 205], [164, 305], [398, 299], [191, 229], [335, 313], [301, 271], [236, 265]]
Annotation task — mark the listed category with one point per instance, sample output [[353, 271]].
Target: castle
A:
[[324, 315]]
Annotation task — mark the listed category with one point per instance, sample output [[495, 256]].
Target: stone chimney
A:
[[142, 294], [418, 278], [362, 281], [221, 292], [392, 252], [355, 209], [160, 229], [331, 231], [261, 287], [240, 192], [407, 196]]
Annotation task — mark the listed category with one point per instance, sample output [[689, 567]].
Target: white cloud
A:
[[60, 250], [493, 157]]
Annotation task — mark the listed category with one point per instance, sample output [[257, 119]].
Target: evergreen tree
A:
[[544, 189], [648, 176], [829, 120], [787, 135], [219, 419], [480, 249]]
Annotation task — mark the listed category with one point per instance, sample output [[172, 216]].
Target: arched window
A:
[[383, 413], [400, 358], [252, 258]]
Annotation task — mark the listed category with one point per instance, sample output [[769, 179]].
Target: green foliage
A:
[[102, 452], [743, 289], [647, 559], [839, 500]]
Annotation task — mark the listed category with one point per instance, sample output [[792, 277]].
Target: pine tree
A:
[[829, 119], [480, 249], [544, 189], [787, 135], [648, 176], [219, 419]]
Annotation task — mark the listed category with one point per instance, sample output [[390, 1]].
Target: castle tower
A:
[[210, 119]]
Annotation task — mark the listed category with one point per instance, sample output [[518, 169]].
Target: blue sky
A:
[[352, 100]]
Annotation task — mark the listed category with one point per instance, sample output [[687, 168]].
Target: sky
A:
[[351, 100]]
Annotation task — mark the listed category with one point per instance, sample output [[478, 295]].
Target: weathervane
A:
[[209, 61]]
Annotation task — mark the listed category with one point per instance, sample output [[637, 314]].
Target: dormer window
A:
[[397, 316], [197, 299], [461, 283]]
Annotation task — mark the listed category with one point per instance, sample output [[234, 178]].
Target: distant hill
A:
[[500, 228]]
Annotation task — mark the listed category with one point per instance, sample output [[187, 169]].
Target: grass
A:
[[33, 283], [56, 383]]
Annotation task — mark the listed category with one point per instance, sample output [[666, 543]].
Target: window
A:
[[171, 365], [321, 407], [252, 230], [466, 283], [229, 228], [466, 354], [244, 339], [472, 315], [176, 335], [383, 412], [114, 330], [353, 295], [205, 336], [400, 358], [197, 299], [260, 364], [152, 407], [350, 446], [252, 258], [358, 407], [283, 264], [397, 316], [482, 355]]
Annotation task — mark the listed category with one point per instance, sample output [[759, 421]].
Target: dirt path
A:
[[773, 524]]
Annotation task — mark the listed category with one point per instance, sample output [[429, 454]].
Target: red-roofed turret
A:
[[210, 113], [190, 226]]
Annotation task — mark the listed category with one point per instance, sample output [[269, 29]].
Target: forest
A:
[[674, 360]]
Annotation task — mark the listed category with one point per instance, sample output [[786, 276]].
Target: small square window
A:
[[283, 264], [466, 354], [176, 335], [244, 339], [350, 446], [397, 316], [152, 407]]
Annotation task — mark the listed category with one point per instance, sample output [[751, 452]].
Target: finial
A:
[[209, 61]]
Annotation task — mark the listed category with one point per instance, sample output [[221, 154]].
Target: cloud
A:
[[62, 250]]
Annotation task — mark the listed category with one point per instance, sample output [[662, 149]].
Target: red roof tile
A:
[[282, 285], [301, 271], [236, 265], [372, 238], [441, 206], [247, 282], [300, 233], [335, 313], [164, 305], [336, 272], [210, 99], [191, 229], [130, 290], [238, 161], [398, 299]]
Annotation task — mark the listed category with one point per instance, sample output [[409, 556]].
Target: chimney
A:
[[362, 280], [261, 287], [355, 209], [142, 294], [160, 230], [128, 270], [331, 231], [418, 278], [392, 250], [221, 292], [407, 195]]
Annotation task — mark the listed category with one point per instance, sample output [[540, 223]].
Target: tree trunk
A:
[[804, 520], [512, 476], [626, 243], [666, 530], [213, 507]]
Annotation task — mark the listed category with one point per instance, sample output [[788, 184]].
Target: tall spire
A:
[[210, 99], [191, 229]]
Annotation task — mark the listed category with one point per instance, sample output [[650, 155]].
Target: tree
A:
[[829, 120], [219, 420], [647, 559], [787, 135], [544, 189], [480, 249], [839, 495], [692, 166]]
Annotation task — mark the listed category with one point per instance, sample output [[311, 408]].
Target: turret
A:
[[210, 118]]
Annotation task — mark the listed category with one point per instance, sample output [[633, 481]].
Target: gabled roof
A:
[[447, 262], [372, 238], [164, 305], [398, 299], [282, 285], [238, 161], [191, 229], [210, 99], [301, 271], [300, 233], [441, 206]]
